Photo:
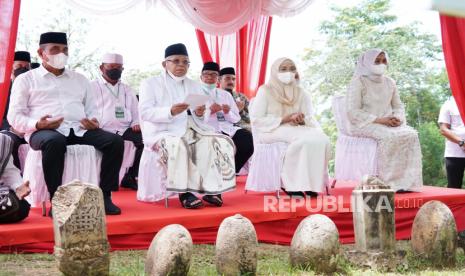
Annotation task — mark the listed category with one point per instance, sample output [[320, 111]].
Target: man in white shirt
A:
[[223, 114], [55, 107], [192, 157], [13, 206], [228, 83], [452, 128], [118, 107], [21, 64]]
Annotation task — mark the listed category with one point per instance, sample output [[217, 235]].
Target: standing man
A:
[[117, 104], [21, 64], [55, 107], [192, 157], [452, 128], [228, 83], [223, 114]]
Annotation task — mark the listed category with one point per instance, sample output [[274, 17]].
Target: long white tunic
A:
[[220, 121], [117, 106], [308, 153], [182, 153], [38, 92], [398, 151]]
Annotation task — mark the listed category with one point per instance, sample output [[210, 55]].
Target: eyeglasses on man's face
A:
[[179, 62]]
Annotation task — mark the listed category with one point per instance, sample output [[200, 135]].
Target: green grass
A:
[[272, 260]]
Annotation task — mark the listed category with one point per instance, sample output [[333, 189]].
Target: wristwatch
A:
[[461, 143]]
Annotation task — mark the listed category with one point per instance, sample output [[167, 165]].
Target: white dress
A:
[[398, 151], [306, 158]]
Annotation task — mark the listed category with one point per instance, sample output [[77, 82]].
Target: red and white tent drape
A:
[[9, 16]]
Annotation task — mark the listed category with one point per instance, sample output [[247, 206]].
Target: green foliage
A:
[[414, 62], [58, 16], [432, 148]]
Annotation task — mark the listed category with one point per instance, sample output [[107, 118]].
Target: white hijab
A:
[[290, 97], [365, 62]]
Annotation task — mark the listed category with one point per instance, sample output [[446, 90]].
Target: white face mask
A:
[[175, 78], [378, 69], [286, 77], [57, 61], [209, 86]]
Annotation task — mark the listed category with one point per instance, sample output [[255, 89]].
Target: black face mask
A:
[[114, 74], [19, 71]]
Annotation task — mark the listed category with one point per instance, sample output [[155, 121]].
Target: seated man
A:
[[21, 64], [228, 83], [55, 107], [13, 206], [117, 104], [223, 114], [192, 156]]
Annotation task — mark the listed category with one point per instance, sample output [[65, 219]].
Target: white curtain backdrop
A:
[[216, 17]]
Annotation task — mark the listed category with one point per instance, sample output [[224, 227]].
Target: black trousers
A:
[[17, 141], [244, 147], [455, 167], [53, 146], [136, 139], [19, 215]]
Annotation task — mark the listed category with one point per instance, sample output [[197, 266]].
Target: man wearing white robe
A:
[[222, 114], [191, 156], [119, 113]]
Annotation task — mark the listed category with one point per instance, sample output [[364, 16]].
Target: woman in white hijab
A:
[[375, 111], [282, 112]]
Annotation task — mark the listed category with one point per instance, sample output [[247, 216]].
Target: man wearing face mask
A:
[[375, 110], [21, 64], [117, 104], [228, 83], [192, 158], [55, 107], [223, 114]]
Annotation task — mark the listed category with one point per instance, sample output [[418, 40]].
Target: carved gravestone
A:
[[81, 245], [170, 252], [373, 216], [434, 234], [236, 247]]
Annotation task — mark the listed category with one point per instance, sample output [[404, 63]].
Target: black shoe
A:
[[129, 182], [311, 194], [402, 191], [293, 194], [110, 207]]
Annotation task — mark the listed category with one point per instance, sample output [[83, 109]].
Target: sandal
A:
[[213, 199], [188, 201], [293, 194]]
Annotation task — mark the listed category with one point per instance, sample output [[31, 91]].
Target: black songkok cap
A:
[[35, 65], [53, 37], [211, 66], [22, 56], [227, 71], [176, 49]]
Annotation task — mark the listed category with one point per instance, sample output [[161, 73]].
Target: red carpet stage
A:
[[136, 227]]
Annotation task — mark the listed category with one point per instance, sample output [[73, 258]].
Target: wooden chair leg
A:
[[166, 202], [44, 209], [277, 194]]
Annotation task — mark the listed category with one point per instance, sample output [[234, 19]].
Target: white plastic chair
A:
[[81, 162], [355, 156]]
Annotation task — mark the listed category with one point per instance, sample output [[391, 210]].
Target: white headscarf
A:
[[286, 94], [365, 62]]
